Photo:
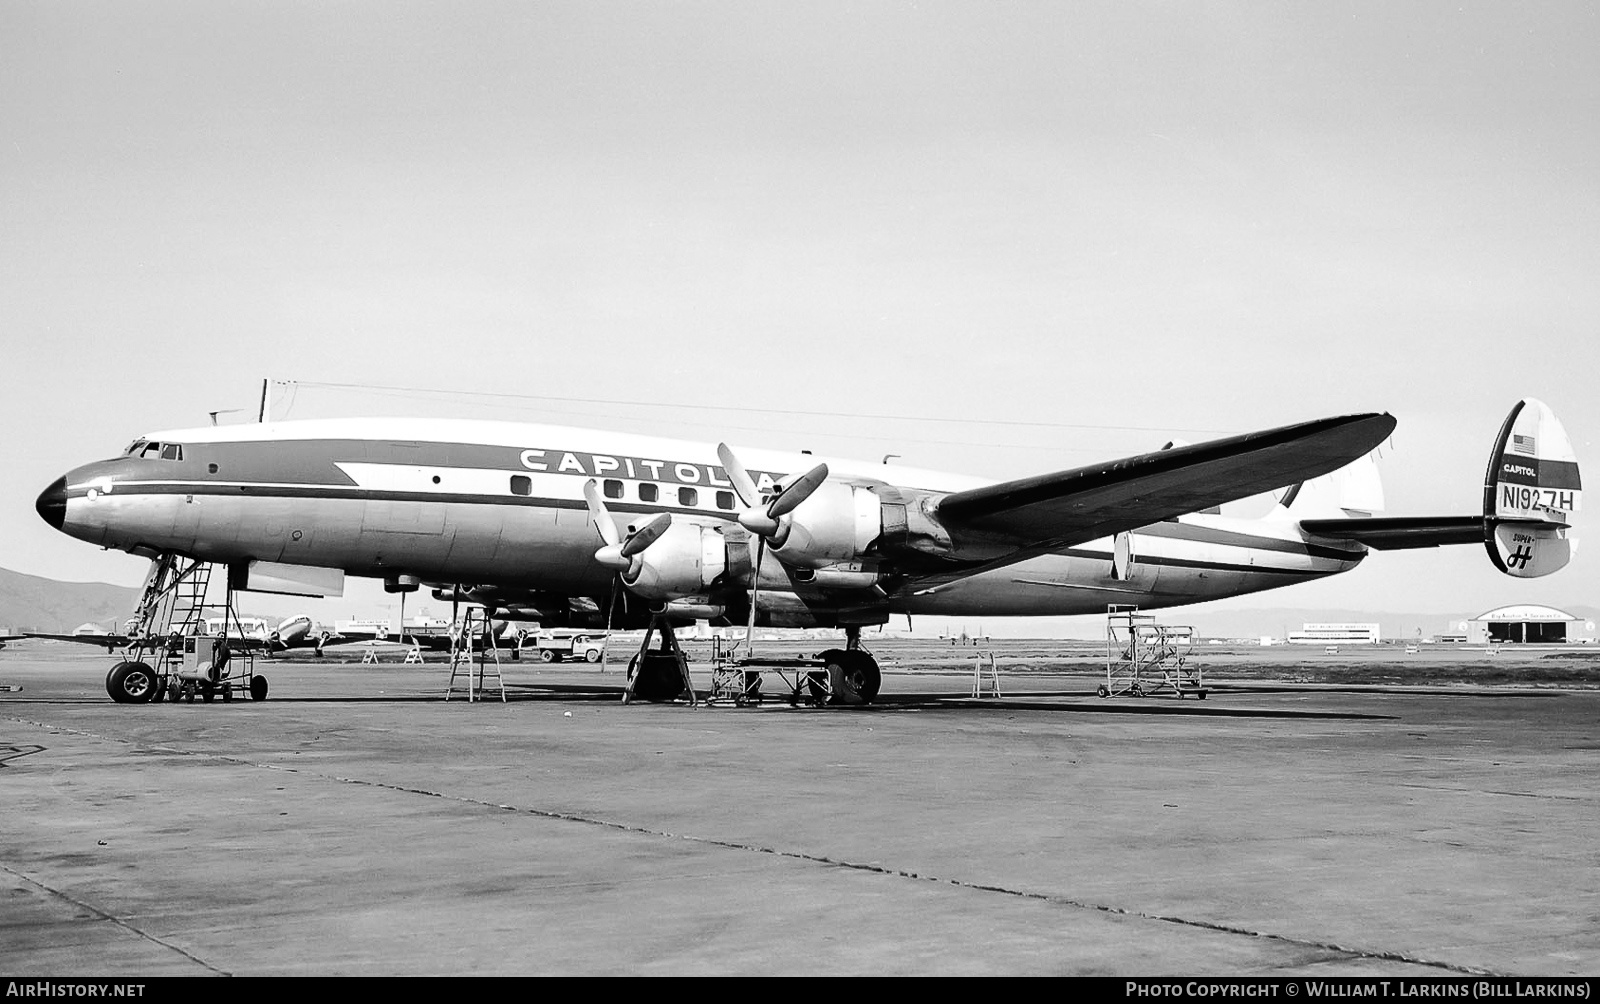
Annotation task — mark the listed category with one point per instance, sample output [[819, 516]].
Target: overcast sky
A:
[[999, 238]]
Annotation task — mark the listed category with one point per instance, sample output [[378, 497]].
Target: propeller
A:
[[764, 520], [619, 552]]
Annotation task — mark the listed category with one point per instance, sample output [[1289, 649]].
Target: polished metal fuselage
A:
[[466, 502]]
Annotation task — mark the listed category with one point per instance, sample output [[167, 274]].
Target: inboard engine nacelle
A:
[[683, 561], [837, 523]]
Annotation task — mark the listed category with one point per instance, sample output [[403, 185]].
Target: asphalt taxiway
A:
[[356, 823]]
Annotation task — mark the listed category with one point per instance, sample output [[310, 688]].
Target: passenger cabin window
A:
[[521, 484], [725, 500], [613, 488], [648, 492], [688, 497]]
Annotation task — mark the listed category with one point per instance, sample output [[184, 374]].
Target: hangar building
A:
[[1526, 622]]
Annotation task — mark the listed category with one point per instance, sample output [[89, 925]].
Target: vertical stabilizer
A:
[[1530, 491], [1353, 490]]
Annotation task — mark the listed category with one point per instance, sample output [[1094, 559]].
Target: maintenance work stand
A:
[[172, 651], [837, 676], [1145, 658]]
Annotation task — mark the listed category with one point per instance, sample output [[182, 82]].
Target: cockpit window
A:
[[133, 448], [150, 450]]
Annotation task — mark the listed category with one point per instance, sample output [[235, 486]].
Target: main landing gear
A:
[[838, 676], [853, 674]]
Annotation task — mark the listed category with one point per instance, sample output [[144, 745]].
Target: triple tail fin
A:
[[1353, 490], [1531, 489]]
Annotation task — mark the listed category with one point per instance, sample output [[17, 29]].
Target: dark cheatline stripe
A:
[[314, 461], [371, 495], [1520, 470], [1235, 538]]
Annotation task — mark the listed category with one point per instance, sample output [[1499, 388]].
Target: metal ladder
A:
[[461, 655], [171, 605]]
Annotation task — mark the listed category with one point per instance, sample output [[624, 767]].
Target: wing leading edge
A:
[[1055, 510]]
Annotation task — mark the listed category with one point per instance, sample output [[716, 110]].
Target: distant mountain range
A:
[[34, 603]]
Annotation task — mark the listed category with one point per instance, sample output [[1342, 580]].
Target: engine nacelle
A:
[[836, 524], [684, 561]]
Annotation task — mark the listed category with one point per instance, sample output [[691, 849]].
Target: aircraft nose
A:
[[52, 504]]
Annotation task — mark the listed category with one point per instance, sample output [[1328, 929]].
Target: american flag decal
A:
[[1522, 445]]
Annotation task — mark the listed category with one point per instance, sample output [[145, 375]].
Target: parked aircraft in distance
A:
[[551, 520], [245, 633]]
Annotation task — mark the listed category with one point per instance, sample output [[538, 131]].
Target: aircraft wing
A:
[[1387, 533], [110, 642], [1050, 511], [431, 642]]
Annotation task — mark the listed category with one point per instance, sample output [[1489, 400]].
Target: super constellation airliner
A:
[[548, 520]]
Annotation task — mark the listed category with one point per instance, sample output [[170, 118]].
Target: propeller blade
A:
[[600, 515], [755, 593], [742, 482], [797, 491], [646, 535]]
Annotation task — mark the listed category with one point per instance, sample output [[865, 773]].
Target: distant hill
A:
[[34, 603]]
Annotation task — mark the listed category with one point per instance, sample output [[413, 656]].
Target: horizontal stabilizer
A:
[[1396, 532], [1069, 507]]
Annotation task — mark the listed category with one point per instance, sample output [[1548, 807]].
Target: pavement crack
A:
[[1067, 901], [822, 859], [118, 921]]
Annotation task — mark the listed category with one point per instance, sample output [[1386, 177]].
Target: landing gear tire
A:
[[258, 688], [131, 683], [547, 655], [854, 676], [659, 679]]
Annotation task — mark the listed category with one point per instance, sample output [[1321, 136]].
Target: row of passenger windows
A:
[[611, 488]]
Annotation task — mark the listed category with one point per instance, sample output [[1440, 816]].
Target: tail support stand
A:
[[1144, 658]]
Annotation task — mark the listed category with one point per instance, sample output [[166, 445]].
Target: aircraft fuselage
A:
[[478, 502]]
